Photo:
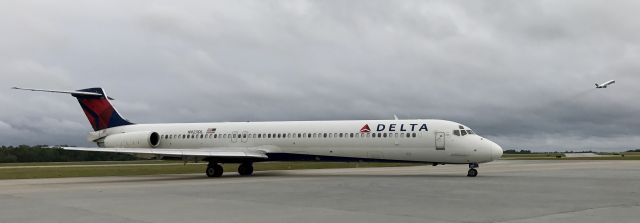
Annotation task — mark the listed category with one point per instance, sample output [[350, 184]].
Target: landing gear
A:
[[214, 170], [245, 169], [472, 171]]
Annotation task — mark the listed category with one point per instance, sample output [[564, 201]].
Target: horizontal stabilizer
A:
[[82, 93]]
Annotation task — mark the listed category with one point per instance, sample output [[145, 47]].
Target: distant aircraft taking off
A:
[[605, 84], [414, 141]]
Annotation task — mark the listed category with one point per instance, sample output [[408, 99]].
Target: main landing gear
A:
[[215, 169], [472, 169], [245, 169]]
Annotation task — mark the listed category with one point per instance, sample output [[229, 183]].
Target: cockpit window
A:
[[470, 132], [463, 132], [461, 127], [456, 132]]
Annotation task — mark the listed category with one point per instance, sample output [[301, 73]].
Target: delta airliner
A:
[[426, 141]]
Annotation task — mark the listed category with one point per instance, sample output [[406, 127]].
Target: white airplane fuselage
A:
[[429, 141]]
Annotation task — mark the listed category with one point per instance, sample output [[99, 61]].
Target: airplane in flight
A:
[[605, 84], [427, 141]]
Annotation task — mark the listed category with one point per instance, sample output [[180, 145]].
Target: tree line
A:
[[43, 153]]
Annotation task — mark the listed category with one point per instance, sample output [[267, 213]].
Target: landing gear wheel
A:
[[245, 169], [472, 173], [214, 170]]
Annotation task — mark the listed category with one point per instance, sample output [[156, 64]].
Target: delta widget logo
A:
[[365, 128]]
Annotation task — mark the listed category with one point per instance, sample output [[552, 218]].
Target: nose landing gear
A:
[[472, 171]]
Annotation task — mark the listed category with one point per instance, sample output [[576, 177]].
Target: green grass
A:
[[57, 170], [88, 163], [541, 156]]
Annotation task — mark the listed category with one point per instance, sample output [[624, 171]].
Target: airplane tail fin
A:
[[96, 106]]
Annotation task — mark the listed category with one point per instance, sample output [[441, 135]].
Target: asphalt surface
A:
[[504, 191]]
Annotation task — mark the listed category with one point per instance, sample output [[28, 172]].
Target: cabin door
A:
[[234, 136], [440, 140], [244, 136]]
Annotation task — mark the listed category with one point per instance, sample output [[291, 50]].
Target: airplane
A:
[[421, 141], [605, 84]]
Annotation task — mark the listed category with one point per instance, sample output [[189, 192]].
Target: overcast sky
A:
[[521, 73]]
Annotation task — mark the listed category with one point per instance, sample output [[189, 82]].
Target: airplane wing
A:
[[224, 152]]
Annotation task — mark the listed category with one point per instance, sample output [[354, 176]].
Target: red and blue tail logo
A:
[[99, 111]]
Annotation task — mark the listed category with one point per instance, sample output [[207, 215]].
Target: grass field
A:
[[554, 156], [129, 168], [152, 167]]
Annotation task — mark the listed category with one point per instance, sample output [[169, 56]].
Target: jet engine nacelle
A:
[[132, 140]]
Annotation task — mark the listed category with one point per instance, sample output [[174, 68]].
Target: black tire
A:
[[472, 173], [245, 169], [214, 170], [219, 170], [211, 172]]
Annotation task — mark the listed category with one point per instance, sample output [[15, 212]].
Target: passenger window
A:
[[463, 132], [456, 132], [413, 135], [384, 135], [351, 135], [380, 135], [373, 135]]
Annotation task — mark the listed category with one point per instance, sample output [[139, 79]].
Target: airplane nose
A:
[[496, 151]]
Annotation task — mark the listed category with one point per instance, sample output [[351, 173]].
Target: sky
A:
[[520, 73]]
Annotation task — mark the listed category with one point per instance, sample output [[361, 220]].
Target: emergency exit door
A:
[[440, 141]]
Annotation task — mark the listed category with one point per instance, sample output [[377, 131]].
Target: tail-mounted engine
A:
[[132, 140]]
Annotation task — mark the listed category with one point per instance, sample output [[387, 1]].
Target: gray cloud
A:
[[521, 73]]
